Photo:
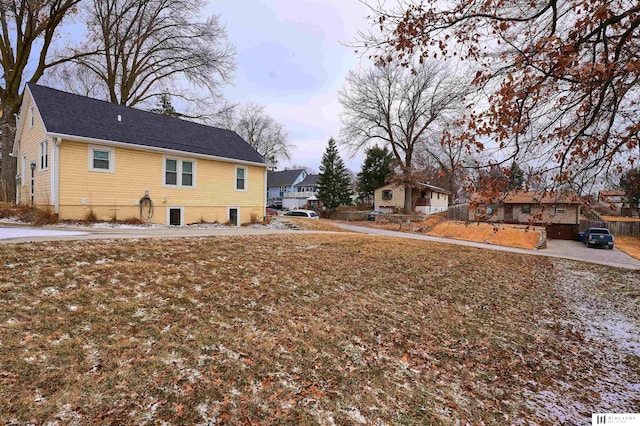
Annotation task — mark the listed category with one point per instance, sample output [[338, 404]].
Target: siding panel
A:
[[117, 194]]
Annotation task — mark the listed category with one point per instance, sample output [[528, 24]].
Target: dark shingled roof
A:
[[75, 115], [283, 178], [310, 180]]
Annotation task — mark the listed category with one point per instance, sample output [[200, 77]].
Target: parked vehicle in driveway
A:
[[272, 212], [598, 237], [373, 214], [309, 214]]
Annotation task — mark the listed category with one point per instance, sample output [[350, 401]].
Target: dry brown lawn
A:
[[316, 225], [485, 233], [629, 245], [620, 219], [293, 329]]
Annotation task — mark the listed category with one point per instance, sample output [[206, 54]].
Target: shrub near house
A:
[[79, 156]]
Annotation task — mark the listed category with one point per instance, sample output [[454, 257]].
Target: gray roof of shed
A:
[[283, 177], [74, 115]]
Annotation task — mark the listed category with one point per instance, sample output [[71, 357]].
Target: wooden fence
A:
[[458, 212], [626, 228]]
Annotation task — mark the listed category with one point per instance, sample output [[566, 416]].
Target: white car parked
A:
[[309, 214]]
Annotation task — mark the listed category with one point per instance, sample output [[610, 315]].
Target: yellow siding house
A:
[[80, 156]]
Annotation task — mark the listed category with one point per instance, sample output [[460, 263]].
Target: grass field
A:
[[629, 245], [303, 329]]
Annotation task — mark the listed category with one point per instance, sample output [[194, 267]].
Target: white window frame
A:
[[561, 208], [43, 155], [32, 116], [179, 161], [181, 208], [112, 158], [390, 191], [246, 180]]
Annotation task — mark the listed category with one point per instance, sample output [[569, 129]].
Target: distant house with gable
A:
[[281, 182], [427, 199]]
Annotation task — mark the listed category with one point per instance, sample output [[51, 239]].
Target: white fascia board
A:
[[21, 117], [154, 149]]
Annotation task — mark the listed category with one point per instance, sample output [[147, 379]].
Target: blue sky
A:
[[291, 59]]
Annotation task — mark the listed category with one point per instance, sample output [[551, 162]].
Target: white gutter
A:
[[155, 149], [55, 172], [264, 213]]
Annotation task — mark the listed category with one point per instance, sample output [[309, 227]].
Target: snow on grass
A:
[[304, 329]]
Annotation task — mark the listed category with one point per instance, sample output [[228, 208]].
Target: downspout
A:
[[55, 187], [264, 207]]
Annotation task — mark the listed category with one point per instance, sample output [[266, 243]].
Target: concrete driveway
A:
[[573, 250]]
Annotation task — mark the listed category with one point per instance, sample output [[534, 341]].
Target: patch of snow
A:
[[356, 416], [613, 337], [73, 308], [50, 291]]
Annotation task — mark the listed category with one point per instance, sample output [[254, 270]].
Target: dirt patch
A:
[[502, 235]]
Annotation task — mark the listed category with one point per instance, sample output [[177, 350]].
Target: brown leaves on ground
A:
[[295, 329], [503, 235], [629, 245]]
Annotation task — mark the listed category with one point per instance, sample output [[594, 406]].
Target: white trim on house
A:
[[235, 178], [55, 174], [169, 208], [112, 158], [154, 149], [229, 215], [179, 164]]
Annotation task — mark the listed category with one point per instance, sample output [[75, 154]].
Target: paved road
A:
[[573, 250]]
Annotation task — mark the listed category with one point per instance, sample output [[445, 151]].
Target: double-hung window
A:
[[387, 194], [241, 178], [43, 151], [101, 159], [179, 173]]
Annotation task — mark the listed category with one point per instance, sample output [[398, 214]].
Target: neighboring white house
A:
[[427, 199]]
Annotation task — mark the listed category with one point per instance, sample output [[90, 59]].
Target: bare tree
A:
[[447, 150], [401, 107], [561, 78], [28, 29], [146, 46], [265, 134]]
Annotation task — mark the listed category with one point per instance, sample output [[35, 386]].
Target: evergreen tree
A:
[[165, 107], [516, 176], [333, 183], [375, 170]]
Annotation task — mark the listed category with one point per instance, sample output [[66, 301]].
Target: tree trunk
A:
[[408, 199], [8, 165]]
